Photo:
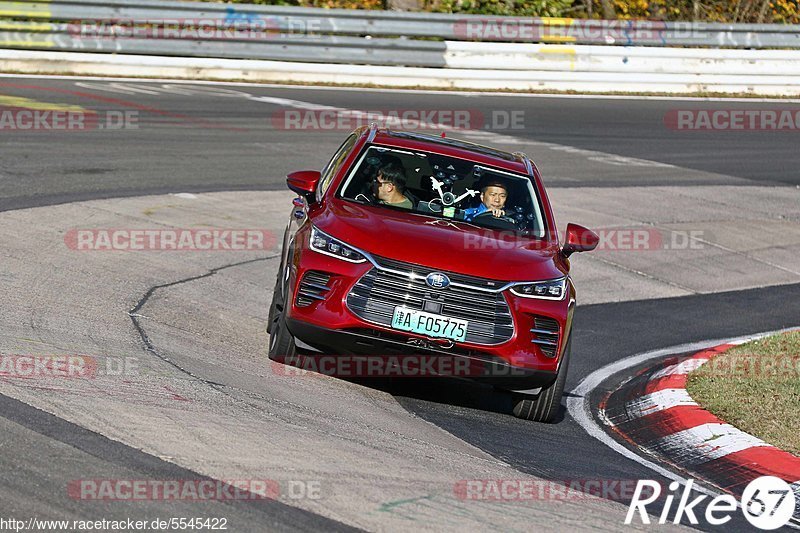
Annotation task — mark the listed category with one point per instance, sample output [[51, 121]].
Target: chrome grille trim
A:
[[456, 292], [313, 288], [546, 334], [458, 280], [374, 297], [417, 301], [544, 342]]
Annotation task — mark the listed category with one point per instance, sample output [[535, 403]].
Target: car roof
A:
[[514, 162]]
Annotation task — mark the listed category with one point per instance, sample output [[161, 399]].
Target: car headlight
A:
[[554, 289], [325, 244]]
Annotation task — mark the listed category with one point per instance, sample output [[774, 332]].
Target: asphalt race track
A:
[[213, 143], [211, 138]]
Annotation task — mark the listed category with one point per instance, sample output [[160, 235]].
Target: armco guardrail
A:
[[238, 44], [401, 49], [779, 83]]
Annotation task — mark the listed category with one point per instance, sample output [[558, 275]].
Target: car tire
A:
[[544, 406], [281, 341]]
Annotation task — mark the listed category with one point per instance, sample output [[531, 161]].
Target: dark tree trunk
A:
[[608, 9]]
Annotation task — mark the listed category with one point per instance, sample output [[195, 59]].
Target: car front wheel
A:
[[281, 341], [544, 406]]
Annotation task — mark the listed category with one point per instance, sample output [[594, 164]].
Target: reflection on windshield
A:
[[445, 187]]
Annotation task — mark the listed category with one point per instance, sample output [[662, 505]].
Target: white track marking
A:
[[296, 104], [408, 91], [580, 410], [482, 135], [174, 87], [592, 155], [706, 442], [485, 136]]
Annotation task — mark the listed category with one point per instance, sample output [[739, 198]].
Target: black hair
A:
[[395, 175], [494, 183]]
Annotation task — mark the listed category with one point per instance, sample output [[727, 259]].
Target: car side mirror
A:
[[579, 239], [304, 183]]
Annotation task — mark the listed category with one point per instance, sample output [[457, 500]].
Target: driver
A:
[[389, 187], [493, 198]]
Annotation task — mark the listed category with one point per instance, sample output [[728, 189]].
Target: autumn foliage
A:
[[750, 11]]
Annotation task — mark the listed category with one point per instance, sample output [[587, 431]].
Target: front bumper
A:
[[325, 321], [368, 342]]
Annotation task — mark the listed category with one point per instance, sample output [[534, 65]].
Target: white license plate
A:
[[429, 324]]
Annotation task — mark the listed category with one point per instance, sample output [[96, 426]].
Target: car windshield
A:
[[445, 187]]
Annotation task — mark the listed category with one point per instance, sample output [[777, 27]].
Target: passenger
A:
[[389, 187], [493, 198]]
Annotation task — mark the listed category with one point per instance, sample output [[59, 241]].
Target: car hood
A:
[[441, 244]]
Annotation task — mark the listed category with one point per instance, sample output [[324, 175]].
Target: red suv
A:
[[414, 245]]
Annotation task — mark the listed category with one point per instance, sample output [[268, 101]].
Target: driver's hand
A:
[[497, 212]]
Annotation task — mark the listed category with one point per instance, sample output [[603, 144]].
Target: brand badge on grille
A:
[[437, 280]]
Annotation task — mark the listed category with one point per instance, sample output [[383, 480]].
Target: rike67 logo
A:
[[767, 502]]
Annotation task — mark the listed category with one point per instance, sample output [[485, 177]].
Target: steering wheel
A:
[[504, 220], [487, 214]]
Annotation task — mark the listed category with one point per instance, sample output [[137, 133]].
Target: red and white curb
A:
[[654, 413]]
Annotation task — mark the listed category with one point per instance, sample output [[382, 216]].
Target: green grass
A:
[[755, 387]]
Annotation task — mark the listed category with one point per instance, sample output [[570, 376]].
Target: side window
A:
[[333, 166]]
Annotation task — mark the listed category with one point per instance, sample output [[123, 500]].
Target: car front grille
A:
[[379, 291]]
